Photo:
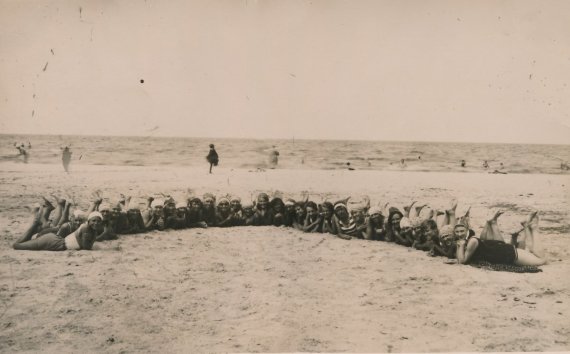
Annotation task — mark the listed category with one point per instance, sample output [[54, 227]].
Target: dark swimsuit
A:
[[494, 251]]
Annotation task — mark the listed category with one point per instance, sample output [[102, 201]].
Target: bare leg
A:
[[46, 211], [449, 216], [95, 203], [34, 227], [408, 208], [211, 167], [465, 219], [65, 215], [491, 230], [58, 211], [415, 212], [533, 254], [495, 227]]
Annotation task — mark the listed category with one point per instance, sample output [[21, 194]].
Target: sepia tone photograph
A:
[[265, 176]]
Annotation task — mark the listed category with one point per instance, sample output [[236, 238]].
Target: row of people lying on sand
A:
[[441, 233]]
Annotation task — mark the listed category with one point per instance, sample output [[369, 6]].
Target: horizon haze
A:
[[444, 71]]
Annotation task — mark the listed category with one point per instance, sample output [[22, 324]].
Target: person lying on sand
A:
[[358, 214], [327, 212], [393, 223], [153, 217], [278, 209], [263, 213], [403, 233], [299, 217], [209, 209], [428, 234], [375, 225], [313, 220], [195, 215], [81, 239], [135, 223], [290, 212], [490, 245], [225, 217], [344, 223], [248, 214]]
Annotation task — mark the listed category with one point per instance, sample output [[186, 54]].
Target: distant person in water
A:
[[348, 166], [273, 157], [485, 164], [23, 152], [212, 157], [463, 163], [66, 158], [403, 162]]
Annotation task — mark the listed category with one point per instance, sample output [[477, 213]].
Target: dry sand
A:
[[271, 289]]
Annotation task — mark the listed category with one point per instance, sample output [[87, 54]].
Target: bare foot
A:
[[47, 203], [497, 214], [452, 205]]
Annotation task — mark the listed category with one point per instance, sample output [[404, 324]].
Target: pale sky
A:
[[472, 71]]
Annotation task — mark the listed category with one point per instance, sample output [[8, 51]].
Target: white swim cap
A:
[[95, 214], [104, 206], [445, 231], [157, 202], [374, 210]]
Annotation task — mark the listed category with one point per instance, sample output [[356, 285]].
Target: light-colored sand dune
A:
[[272, 289]]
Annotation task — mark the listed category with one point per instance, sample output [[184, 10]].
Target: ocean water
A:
[[293, 154]]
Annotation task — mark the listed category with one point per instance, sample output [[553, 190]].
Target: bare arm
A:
[[466, 250]]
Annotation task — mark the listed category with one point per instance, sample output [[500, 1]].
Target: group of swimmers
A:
[[440, 233]]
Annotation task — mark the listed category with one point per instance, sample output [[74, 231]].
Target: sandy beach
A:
[[265, 289]]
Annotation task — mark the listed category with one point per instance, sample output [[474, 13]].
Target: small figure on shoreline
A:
[[485, 164], [463, 163], [22, 151], [273, 157], [212, 157], [66, 158]]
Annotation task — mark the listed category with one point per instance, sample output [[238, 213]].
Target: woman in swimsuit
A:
[[375, 224], [490, 245], [263, 213], [313, 220], [209, 210], [327, 212], [343, 222], [224, 215], [195, 215], [82, 238], [393, 223], [278, 209]]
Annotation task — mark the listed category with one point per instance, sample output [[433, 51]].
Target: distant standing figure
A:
[[273, 157], [403, 162], [502, 166], [212, 157], [485, 164], [23, 152], [66, 158], [463, 163]]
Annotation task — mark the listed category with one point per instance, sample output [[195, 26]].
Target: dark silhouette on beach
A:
[[212, 157], [66, 158]]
